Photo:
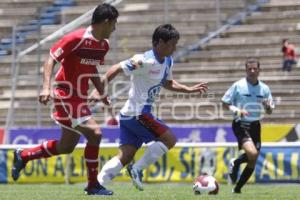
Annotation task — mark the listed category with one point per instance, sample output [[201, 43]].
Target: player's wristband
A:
[[235, 110]]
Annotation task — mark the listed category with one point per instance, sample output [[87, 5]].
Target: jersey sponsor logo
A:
[[154, 71], [58, 52], [153, 93], [89, 61], [89, 53]]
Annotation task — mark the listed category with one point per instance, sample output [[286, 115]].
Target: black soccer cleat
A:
[[18, 165], [233, 171], [98, 190], [236, 191]]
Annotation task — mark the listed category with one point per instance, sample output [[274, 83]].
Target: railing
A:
[[230, 22], [19, 56]]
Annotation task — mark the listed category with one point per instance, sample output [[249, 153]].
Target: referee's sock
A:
[[244, 178], [241, 159]]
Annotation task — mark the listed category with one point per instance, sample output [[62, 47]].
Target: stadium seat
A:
[[221, 61]]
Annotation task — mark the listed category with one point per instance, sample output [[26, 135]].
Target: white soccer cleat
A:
[[136, 177]]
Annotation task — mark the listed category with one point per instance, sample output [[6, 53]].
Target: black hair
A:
[[104, 12], [283, 49], [165, 32], [284, 40], [251, 61]]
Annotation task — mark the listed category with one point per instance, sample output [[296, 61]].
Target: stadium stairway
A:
[[27, 17], [220, 61], [133, 34], [259, 35]]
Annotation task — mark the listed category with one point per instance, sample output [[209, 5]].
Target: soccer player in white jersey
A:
[[247, 99], [148, 73]]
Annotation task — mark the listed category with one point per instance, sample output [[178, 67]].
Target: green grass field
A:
[[152, 191]]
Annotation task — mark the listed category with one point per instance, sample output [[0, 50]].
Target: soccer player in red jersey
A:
[[78, 53]]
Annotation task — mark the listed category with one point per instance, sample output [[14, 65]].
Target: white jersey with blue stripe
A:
[[146, 81], [244, 95]]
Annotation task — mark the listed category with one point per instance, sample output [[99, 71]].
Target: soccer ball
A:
[[206, 184]]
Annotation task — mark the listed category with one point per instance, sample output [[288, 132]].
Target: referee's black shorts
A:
[[245, 131]]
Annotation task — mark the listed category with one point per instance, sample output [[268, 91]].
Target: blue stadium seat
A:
[[46, 21], [64, 3], [48, 16], [8, 41], [3, 52]]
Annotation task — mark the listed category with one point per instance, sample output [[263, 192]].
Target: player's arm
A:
[[48, 69], [235, 110], [59, 51], [99, 92], [128, 67], [268, 102], [102, 83], [267, 106], [112, 73], [228, 99], [178, 87]]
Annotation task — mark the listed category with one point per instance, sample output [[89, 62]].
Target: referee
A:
[[246, 99]]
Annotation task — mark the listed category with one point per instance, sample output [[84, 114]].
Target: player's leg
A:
[[156, 150], [49, 148], [234, 166], [91, 131], [130, 142], [160, 139], [251, 147], [164, 139], [113, 167], [153, 152], [240, 131], [252, 154]]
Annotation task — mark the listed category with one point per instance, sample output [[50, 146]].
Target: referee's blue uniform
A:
[[244, 95]]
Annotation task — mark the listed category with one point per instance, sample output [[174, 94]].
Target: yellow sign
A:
[[181, 164], [275, 132]]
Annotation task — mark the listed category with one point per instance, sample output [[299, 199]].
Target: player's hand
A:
[[200, 87], [44, 96], [94, 97], [136, 64], [106, 100], [242, 113], [137, 61], [267, 104]]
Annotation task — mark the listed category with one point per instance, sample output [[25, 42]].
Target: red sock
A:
[[91, 161], [45, 150]]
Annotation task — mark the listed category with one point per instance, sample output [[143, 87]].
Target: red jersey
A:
[[289, 52], [78, 53]]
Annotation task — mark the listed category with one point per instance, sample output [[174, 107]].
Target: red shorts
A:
[[71, 110]]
